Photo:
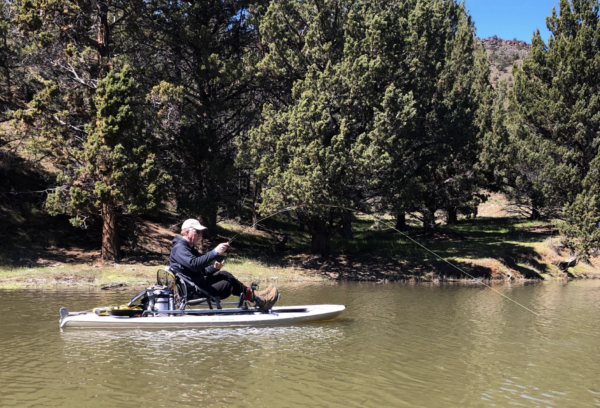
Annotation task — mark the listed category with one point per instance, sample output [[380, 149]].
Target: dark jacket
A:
[[190, 262]]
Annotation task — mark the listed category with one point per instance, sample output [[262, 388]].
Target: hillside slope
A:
[[501, 55]]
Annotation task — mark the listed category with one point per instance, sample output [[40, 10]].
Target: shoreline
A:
[[108, 277], [135, 276], [489, 248]]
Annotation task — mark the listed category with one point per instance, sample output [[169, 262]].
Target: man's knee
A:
[[225, 275]]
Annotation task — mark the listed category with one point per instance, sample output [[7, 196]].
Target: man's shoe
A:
[[267, 301], [264, 292]]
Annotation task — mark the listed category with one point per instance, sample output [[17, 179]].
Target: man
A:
[[186, 259]]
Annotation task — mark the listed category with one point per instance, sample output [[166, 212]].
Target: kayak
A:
[[202, 318]]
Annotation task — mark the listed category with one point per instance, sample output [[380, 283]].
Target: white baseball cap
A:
[[192, 223]]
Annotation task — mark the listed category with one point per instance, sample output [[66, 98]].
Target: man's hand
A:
[[221, 248], [219, 265]]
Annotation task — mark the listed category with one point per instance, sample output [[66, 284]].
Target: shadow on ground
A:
[[482, 248]]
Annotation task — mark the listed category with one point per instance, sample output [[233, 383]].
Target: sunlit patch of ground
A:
[[115, 276], [495, 206], [488, 247], [77, 276]]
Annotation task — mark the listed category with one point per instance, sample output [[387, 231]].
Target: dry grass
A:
[[491, 246], [495, 206], [121, 275], [81, 275]]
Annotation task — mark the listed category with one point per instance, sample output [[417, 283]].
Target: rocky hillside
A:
[[502, 54]]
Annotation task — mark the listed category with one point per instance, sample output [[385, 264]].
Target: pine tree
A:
[[314, 157], [316, 149], [206, 50], [292, 37], [13, 86], [495, 160], [6, 52], [431, 163], [555, 125], [387, 85], [72, 48], [119, 174]]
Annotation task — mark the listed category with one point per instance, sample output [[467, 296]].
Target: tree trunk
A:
[[254, 200], [347, 225], [321, 240], [429, 219], [301, 221], [102, 37], [401, 221], [7, 74], [209, 220], [110, 235], [451, 216], [535, 214], [347, 229]]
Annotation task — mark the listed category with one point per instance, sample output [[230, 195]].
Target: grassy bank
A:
[[134, 275], [494, 248], [483, 248]]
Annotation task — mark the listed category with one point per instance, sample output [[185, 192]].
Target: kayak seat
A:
[[187, 293]]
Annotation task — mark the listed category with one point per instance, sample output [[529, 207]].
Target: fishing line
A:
[[292, 208]]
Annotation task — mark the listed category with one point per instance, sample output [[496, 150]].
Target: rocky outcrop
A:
[[495, 43], [502, 54]]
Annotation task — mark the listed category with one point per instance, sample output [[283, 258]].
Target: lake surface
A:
[[416, 345]]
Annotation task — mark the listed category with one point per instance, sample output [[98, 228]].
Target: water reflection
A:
[[195, 365], [190, 345], [395, 345]]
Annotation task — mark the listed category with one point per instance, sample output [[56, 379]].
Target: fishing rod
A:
[[294, 207]]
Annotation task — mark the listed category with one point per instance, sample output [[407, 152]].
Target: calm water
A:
[[395, 345]]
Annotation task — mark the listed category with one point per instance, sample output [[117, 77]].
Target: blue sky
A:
[[511, 18]]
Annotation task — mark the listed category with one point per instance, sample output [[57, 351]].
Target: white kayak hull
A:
[[279, 316]]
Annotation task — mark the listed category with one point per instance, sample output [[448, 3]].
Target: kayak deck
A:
[[205, 318]]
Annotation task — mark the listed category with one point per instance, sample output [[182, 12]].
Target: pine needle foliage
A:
[[555, 119], [118, 173], [82, 118], [206, 56], [313, 150], [381, 112], [432, 161]]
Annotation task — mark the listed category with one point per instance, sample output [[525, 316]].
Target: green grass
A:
[[251, 269], [108, 276], [81, 275], [507, 245], [496, 247]]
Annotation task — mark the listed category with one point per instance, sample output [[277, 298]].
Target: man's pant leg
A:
[[222, 284]]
